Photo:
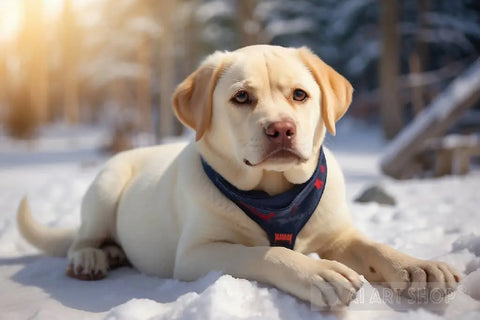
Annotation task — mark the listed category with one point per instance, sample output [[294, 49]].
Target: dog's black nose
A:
[[281, 132]]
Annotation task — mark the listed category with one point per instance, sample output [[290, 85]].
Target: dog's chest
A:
[[283, 216]]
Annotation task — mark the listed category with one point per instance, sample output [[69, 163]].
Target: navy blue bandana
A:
[[284, 215]]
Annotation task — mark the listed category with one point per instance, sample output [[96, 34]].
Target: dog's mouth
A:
[[279, 156]]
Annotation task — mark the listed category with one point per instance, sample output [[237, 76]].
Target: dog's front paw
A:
[[419, 278], [88, 264], [334, 285]]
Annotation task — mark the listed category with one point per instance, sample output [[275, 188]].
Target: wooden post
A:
[[462, 162], [391, 109], [443, 163]]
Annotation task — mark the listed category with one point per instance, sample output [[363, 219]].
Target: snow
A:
[[290, 27], [145, 26], [346, 12], [213, 9], [453, 23], [434, 219]]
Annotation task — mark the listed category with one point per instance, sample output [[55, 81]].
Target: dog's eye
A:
[[241, 97], [299, 95]]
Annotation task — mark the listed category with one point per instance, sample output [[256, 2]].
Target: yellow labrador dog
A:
[[251, 197]]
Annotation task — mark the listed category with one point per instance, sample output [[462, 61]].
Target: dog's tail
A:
[[52, 241]]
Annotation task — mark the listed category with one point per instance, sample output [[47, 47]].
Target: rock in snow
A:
[[376, 193]]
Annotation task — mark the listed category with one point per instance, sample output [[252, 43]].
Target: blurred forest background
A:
[[117, 62]]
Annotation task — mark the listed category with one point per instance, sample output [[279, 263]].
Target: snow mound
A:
[[471, 242], [226, 298]]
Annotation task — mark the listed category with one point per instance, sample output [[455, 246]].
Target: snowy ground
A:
[[435, 219]]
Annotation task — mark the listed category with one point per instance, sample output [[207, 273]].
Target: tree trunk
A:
[[166, 70], [70, 64], [27, 97], [37, 62], [144, 87], [249, 29], [418, 57], [3, 82], [391, 109], [190, 41]]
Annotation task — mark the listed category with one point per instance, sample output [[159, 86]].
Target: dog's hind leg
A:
[[110, 257], [89, 258]]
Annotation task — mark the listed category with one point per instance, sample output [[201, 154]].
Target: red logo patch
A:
[[283, 237], [318, 184]]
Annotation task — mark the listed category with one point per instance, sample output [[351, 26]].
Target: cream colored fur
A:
[[168, 218]]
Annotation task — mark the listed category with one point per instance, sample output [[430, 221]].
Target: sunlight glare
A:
[[11, 17]]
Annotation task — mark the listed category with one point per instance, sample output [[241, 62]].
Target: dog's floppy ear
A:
[[336, 91], [192, 100]]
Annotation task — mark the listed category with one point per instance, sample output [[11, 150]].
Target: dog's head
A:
[[262, 108]]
